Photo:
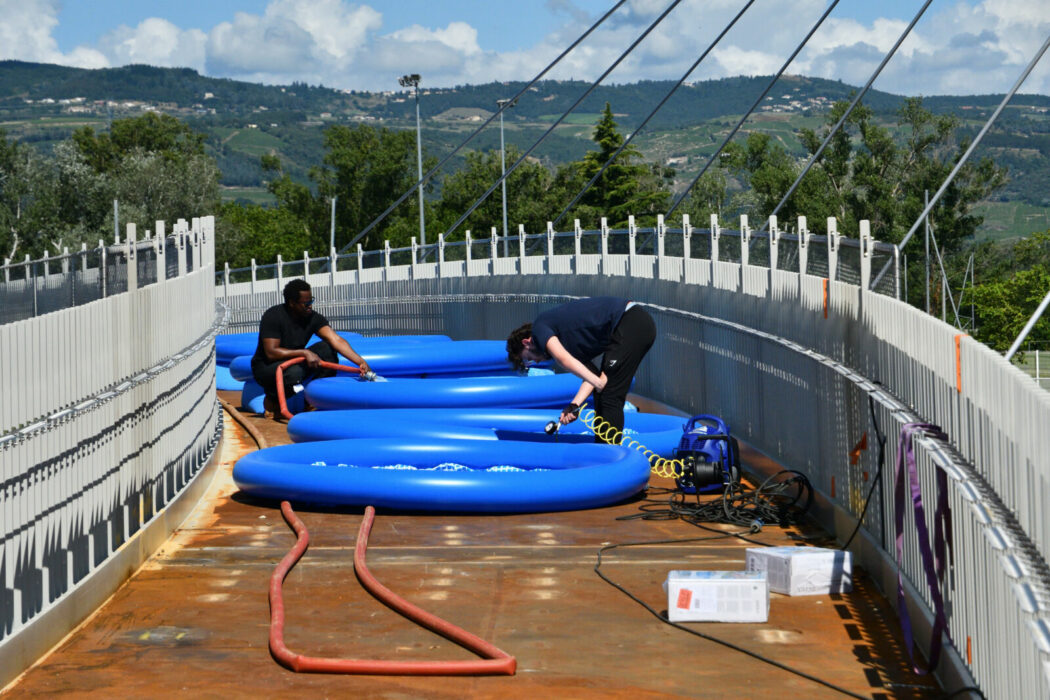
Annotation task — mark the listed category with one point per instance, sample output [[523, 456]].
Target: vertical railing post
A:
[[467, 240], [745, 242], [251, 285], [833, 249], [66, 267], [361, 260], [866, 245], [131, 255], [102, 266], [160, 254], [605, 245], [31, 278], [661, 231], [280, 273], [333, 258], [803, 246], [415, 256], [521, 248], [632, 237], [226, 281], [386, 256], [716, 234], [306, 265], [687, 235], [441, 251], [493, 248], [774, 242], [180, 248], [550, 244], [577, 233]]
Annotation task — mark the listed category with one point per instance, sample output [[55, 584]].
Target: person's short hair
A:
[[515, 346], [292, 289]]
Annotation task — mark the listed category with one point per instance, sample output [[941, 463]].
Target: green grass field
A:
[[1010, 220], [255, 195]]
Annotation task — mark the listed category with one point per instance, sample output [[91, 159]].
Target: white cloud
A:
[[25, 35], [967, 46], [156, 42]]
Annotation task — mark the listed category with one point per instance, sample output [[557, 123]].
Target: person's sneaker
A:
[[270, 408]]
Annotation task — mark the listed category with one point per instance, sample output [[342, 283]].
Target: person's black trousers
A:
[[631, 340], [265, 373]]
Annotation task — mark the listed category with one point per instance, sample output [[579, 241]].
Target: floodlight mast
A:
[[412, 80], [503, 166]]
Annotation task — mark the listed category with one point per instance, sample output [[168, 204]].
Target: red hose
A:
[[282, 406], [495, 662]]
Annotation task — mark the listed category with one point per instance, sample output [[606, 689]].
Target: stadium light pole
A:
[[503, 170], [412, 81]]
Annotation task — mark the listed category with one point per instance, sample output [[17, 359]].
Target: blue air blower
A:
[[710, 455]]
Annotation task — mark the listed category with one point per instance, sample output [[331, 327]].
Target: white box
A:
[[717, 596], [803, 570]]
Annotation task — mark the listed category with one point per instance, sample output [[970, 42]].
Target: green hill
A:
[[43, 104]]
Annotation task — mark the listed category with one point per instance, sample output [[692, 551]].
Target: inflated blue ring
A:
[[575, 477], [551, 391], [659, 433]]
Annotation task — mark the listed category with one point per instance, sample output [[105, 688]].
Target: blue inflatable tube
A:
[[659, 433], [232, 345], [551, 391], [357, 473], [400, 359]]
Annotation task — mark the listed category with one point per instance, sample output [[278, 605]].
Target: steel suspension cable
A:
[[630, 138], [477, 131], [560, 119], [740, 123], [965, 156], [845, 115]]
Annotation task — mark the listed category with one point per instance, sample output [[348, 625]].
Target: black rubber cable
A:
[[702, 635]]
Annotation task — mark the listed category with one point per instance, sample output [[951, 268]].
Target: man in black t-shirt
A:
[[284, 331], [575, 333]]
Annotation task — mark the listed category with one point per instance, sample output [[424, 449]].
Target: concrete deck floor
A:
[[194, 620]]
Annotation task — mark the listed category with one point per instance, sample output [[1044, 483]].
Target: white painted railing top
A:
[[53, 362]]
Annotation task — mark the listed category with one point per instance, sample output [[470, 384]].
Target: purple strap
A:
[[934, 562]]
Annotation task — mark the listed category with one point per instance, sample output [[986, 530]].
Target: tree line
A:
[[157, 168]]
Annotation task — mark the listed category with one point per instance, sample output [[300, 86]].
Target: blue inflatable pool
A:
[[659, 433], [228, 348], [402, 359], [449, 475], [551, 391]]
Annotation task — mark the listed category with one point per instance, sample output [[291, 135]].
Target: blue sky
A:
[[959, 47]]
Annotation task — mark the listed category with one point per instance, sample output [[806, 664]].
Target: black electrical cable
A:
[[776, 500], [645, 121], [881, 439], [477, 131], [702, 635]]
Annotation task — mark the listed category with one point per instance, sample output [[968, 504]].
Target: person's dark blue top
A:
[[584, 326], [293, 333]]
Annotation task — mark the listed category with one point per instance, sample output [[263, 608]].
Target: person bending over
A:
[[284, 331], [575, 333]]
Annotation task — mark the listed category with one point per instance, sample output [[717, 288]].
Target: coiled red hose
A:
[[283, 406], [495, 662]]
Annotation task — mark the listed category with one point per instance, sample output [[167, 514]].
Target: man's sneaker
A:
[[270, 408]]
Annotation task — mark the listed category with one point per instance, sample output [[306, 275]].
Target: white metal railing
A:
[[32, 288], [109, 414], [802, 366]]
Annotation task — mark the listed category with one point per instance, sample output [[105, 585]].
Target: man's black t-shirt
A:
[[584, 326], [292, 333]]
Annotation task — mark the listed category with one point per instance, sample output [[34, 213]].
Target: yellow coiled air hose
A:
[[672, 468]]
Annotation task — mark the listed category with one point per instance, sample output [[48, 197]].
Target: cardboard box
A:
[[717, 596], [803, 570]]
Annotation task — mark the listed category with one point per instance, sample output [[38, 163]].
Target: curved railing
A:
[[804, 366], [109, 416]]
